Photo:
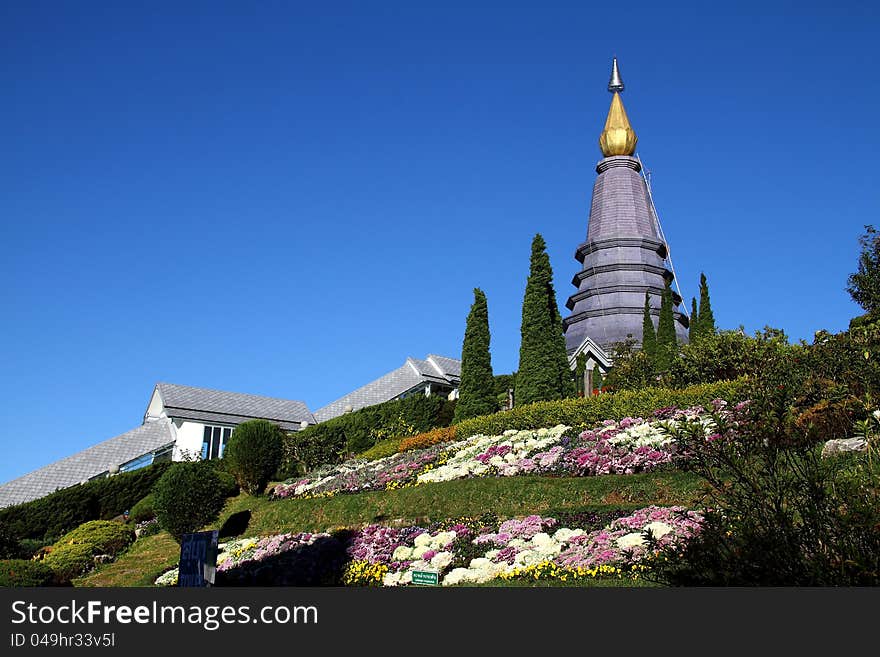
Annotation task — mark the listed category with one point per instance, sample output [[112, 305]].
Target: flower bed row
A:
[[470, 552], [629, 446]]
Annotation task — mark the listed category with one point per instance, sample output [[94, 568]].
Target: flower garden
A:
[[471, 551], [625, 447]]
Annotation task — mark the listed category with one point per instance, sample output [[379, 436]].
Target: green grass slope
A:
[[505, 496]]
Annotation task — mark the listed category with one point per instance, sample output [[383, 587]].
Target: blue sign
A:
[[198, 559]]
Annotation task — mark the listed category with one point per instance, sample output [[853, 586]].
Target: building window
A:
[[214, 442]]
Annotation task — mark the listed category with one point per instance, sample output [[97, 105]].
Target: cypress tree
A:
[[543, 372], [706, 323], [693, 328], [649, 337], [665, 332], [476, 392]]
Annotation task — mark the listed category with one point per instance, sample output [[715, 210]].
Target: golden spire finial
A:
[[618, 137]]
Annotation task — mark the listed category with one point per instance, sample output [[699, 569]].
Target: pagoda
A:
[[624, 254]]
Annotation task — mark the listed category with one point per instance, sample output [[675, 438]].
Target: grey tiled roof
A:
[[88, 463], [414, 372], [189, 403]]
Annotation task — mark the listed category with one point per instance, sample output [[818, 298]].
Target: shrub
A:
[[588, 412], [781, 514], [334, 440], [143, 510], [22, 572], [9, 545], [51, 516], [74, 553], [380, 450], [188, 496], [429, 438], [228, 485], [253, 454]]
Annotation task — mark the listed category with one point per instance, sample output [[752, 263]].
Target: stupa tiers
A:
[[624, 255]]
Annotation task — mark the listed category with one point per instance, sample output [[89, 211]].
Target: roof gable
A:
[[188, 402]]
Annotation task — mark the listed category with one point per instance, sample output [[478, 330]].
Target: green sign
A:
[[426, 577]]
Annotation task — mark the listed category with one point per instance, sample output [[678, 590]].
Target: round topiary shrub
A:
[[253, 454], [143, 510], [188, 496], [74, 553], [22, 572]]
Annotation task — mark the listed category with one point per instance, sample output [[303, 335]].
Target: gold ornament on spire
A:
[[618, 137]]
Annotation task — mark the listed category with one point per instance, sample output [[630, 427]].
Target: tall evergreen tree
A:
[[693, 328], [543, 372], [476, 392], [706, 322], [649, 337], [666, 341]]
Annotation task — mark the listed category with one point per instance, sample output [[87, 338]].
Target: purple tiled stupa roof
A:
[[623, 256]]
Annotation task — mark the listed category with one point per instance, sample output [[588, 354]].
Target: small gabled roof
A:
[[414, 372], [204, 404], [593, 351], [88, 463]]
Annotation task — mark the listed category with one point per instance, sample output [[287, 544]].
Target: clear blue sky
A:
[[288, 199]]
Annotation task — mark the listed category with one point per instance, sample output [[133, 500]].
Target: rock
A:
[[841, 445], [103, 558]]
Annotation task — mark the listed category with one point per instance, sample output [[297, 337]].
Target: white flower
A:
[[443, 539], [658, 529], [392, 579], [419, 550], [565, 534], [402, 553], [631, 540], [441, 560], [876, 414], [423, 539]]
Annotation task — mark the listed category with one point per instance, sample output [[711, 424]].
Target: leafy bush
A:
[[188, 496], [228, 485], [143, 510], [434, 437], [73, 554], [49, 517], [781, 514], [253, 454], [334, 440], [10, 548], [22, 572], [590, 411]]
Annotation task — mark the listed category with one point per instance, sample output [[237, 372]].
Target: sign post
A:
[[426, 577], [198, 559]]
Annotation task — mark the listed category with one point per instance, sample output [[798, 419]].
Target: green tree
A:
[[476, 393], [254, 453], [692, 326], [649, 337], [706, 322], [188, 496], [543, 372], [864, 285], [666, 341]]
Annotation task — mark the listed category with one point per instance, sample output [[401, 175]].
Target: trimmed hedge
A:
[[49, 517], [332, 441], [22, 572], [587, 412], [143, 510], [430, 438], [74, 553]]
